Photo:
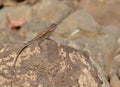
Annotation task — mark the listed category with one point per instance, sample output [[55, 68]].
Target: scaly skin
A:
[[40, 37]]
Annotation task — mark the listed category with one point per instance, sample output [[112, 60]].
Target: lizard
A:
[[41, 36]]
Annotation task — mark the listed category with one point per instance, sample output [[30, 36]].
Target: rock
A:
[[73, 4], [9, 36], [115, 71], [114, 81], [48, 64], [106, 12], [79, 30], [54, 11], [15, 13], [18, 2], [95, 7]]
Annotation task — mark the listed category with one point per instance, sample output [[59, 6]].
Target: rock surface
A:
[[80, 31], [48, 64], [54, 11], [106, 12], [115, 72]]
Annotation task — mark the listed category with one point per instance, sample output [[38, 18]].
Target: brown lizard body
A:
[[40, 37]]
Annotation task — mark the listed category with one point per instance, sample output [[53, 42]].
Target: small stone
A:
[[54, 11]]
